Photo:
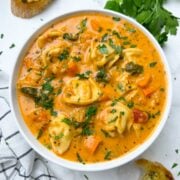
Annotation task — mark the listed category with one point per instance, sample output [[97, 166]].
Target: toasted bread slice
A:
[[154, 170], [28, 8]]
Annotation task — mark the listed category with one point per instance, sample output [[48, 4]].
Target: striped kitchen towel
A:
[[17, 160]]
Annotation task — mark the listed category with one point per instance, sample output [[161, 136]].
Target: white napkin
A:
[[17, 159]]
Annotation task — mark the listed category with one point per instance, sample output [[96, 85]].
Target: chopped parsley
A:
[[64, 55], [90, 112], [117, 48], [106, 134], [1, 52], [152, 64], [70, 36], [116, 18], [133, 68], [47, 87], [12, 46], [174, 165], [82, 26], [116, 34], [57, 137], [76, 58], [113, 120], [113, 111], [107, 155], [86, 177], [2, 35], [104, 37], [177, 151], [103, 49], [101, 76], [84, 75], [40, 132], [130, 104], [79, 158]]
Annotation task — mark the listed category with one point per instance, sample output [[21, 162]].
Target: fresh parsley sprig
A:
[[151, 14]]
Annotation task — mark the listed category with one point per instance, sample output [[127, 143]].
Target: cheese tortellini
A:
[[42, 40], [129, 53], [108, 57], [51, 54], [81, 92], [60, 135], [116, 118]]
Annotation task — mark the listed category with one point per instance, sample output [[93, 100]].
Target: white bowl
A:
[[39, 148]]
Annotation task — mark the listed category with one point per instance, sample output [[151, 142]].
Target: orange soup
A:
[[92, 88]]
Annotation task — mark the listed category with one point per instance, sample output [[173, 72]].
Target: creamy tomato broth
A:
[[92, 88]]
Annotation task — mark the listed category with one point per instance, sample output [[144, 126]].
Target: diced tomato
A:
[[140, 116], [91, 143]]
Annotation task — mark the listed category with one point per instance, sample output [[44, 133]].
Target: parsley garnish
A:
[[107, 155], [79, 158], [130, 104], [117, 48], [2, 35], [116, 18], [70, 36], [152, 64], [82, 26], [40, 132], [174, 165], [64, 55], [86, 177], [133, 68], [90, 112], [76, 58], [101, 76], [12, 46], [103, 49], [151, 14], [84, 75]]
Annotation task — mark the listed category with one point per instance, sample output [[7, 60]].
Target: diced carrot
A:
[[91, 143], [144, 81], [95, 25], [148, 91], [108, 93], [72, 68]]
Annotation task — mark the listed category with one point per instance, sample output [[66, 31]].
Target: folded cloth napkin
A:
[[17, 159]]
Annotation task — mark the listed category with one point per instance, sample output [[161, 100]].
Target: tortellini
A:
[[33, 78], [60, 135], [51, 54], [42, 40], [81, 91], [129, 53], [116, 118], [103, 58]]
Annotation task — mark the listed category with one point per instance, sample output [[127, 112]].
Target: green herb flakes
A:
[[107, 155], [103, 49], [116, 18], [79, 158], [174, 165], [12, 46], [152, 64]]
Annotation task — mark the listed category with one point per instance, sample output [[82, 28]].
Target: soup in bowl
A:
[[93, 89]]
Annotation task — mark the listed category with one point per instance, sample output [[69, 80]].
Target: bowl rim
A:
[[39, 148]]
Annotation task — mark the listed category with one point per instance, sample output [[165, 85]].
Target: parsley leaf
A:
[[133, 68], [103, 49], [64, 55]]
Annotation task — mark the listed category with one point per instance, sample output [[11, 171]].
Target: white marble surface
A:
[[17, 30]]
